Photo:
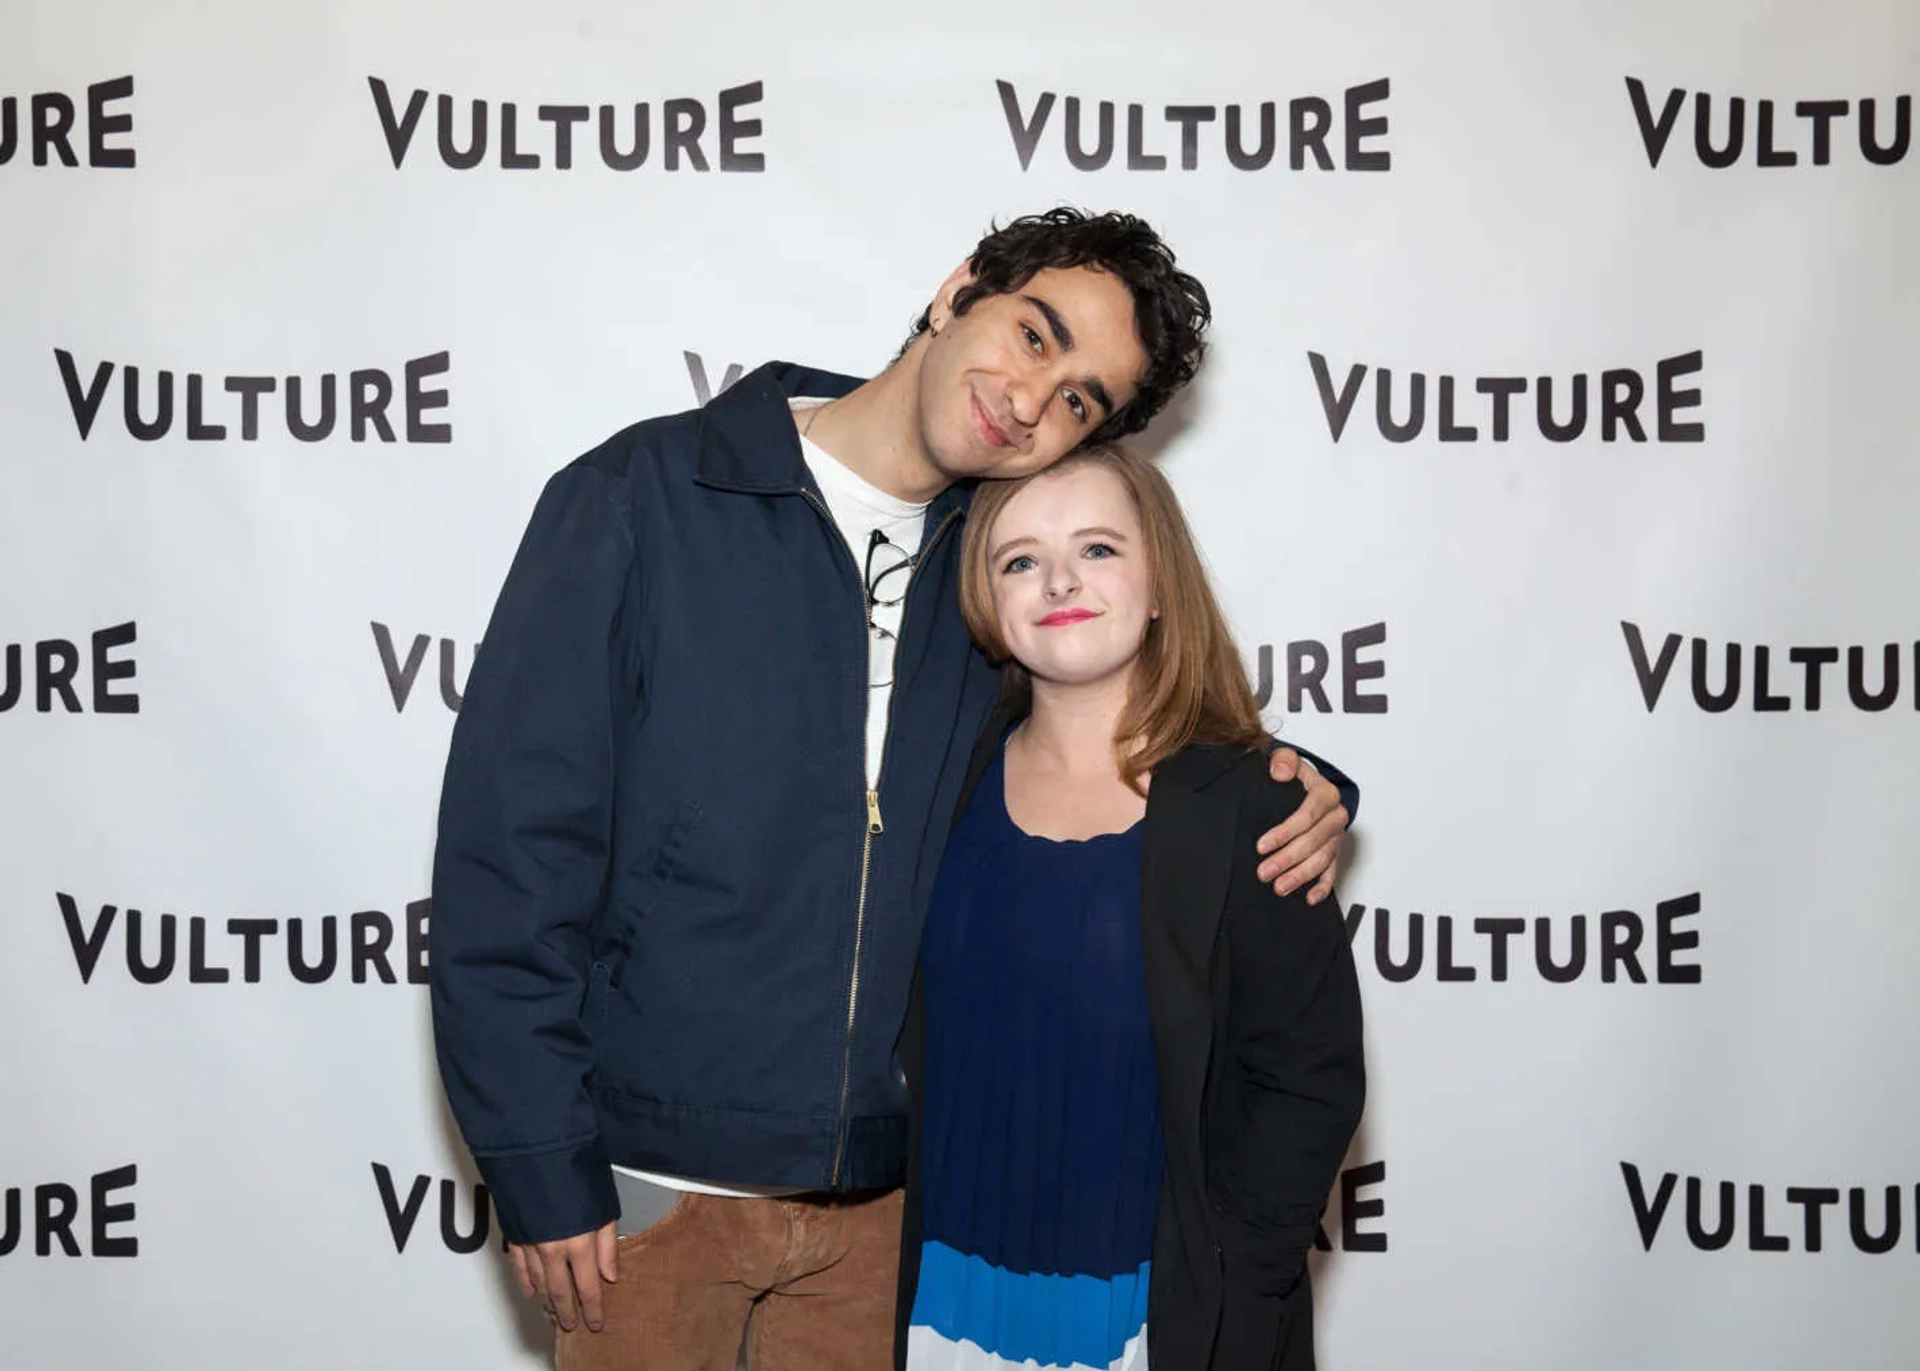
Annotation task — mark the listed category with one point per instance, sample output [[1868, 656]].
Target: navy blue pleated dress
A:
[[1042, 1150]]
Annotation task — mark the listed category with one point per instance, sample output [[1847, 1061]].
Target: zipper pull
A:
[[873, 812]]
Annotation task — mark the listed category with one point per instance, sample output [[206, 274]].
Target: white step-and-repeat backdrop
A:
[[1556, 456]]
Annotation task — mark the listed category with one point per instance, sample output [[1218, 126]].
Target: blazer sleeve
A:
[[1295, 1080], [521, 862]]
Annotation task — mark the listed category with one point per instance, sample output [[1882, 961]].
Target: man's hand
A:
[[565, 1274], [1307, 846]]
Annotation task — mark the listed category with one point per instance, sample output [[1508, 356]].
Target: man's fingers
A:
[[562, 1274], [1273, 839], [582, 1261], [535, 1262], [518, 1255], [607, 1247], [1304, 873], [560, 1295], [1306, 830], [1306, 856], [1322, 798], [1323, 887]]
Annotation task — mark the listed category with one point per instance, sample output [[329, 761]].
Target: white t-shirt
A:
[[858, 509]]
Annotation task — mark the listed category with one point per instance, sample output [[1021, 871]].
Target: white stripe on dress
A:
[[928, 1351]]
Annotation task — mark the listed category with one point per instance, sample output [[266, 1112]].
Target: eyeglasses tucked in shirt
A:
[[887, 586], [888, 570]]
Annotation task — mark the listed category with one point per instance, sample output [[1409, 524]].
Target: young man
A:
[[696, 798]]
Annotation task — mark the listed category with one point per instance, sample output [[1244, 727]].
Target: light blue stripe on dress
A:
[[1049, 1320]]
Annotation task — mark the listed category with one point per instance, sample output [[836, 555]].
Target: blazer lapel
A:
[[1186, 865]]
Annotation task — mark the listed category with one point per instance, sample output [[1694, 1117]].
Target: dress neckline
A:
[[999, 787]]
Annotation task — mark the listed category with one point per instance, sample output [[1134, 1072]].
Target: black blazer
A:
[[1256, 1027]]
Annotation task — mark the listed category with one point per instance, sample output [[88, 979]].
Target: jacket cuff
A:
[[542, 1196]]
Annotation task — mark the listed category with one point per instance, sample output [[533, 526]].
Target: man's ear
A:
[[941, 310]]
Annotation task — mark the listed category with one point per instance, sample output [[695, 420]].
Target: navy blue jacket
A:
[[671, 927]]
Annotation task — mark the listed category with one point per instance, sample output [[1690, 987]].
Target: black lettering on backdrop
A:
[[455, 1236], [56, 665], [50, 126], [1309, 660], [56, 1210], [1719, 673], [375, 943], [1618, 396], [703, 388], [1355, 1210], [1720, 140], [369, 392], [400, 675], [1615, 949], [1088, 142], [625, 133], [1713, 1212]]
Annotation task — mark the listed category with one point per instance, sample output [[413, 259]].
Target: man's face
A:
[[1020, 380]]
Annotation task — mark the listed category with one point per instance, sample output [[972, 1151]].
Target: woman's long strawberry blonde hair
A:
[[1189, 685]]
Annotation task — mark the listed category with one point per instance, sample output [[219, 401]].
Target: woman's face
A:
[[1068, 570]]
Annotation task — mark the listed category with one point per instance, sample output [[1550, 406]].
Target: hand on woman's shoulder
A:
[[1272, 801]]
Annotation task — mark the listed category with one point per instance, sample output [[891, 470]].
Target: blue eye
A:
[[1020, 563], [1099, 551]]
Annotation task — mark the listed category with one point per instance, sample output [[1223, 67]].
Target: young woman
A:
[[1135, 1069]]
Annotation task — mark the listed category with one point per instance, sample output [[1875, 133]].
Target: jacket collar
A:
[[748, 444], [747, 439]]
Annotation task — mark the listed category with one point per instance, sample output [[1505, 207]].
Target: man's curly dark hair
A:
[[1170, 308]]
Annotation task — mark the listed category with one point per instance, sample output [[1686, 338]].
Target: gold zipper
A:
[[853, 989], [874, 828]]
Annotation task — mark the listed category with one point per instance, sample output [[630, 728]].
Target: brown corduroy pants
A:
[[800, 1283]]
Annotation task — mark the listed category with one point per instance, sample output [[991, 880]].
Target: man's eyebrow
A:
[[1063, 335], [1055, 324]]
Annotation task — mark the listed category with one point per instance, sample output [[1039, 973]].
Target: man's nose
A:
[[1027, 401]]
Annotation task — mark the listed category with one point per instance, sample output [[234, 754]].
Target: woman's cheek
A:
[[1003, 613]]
